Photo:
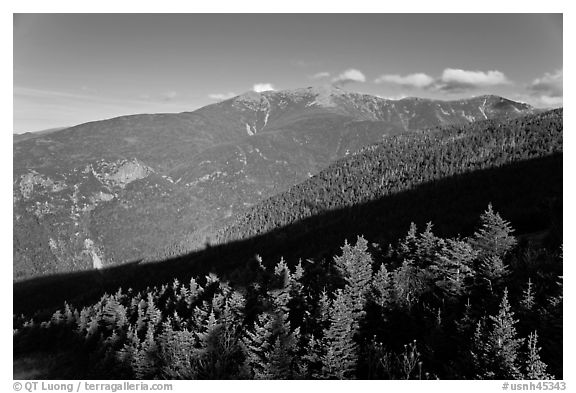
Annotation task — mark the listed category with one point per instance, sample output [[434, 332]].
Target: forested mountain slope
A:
[[404, 162], [140, 187]]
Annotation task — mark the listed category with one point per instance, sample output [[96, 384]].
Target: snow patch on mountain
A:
[[482, 108]]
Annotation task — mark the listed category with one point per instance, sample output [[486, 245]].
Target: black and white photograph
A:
[[287, 196]]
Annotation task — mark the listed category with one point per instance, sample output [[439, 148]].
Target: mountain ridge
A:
[[188, 170]]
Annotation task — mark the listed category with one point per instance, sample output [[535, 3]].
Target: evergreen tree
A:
[[535, 368], [114, 315], [272, 347], [407, 247], [145, 360], [341, 351], [178, 353], [410, 283], [453, 267], [257, 345], [355, 266], [527, 301], [427, 247], [382, 286], [494, 238], [492, 272], [496, 352]]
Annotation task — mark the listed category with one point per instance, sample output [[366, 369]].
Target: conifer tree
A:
[[178, 353], [497, 351], [427, 247], [492, 272], [145, 359], [407, 247], [153, 314], [83, 320], [453, 267], [465, 324], [494, 238], [220, 350], [341, 353], [324, 305], [257, 345], [410, 283], [126, 355], [271, 348], [114, 315], [535, 368], [355, 266], [382, 286], [527, 301]]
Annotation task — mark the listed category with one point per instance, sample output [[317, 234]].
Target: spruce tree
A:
[[492, 272], [177, 352], [494, 238], [382, 286], [271, 348], [145, 360], [453, 267], [355, 266], [527, 301], [341, 353], [410, 283], [535, 368], [497, 351]]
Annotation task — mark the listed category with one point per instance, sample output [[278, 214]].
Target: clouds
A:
[[418, 80], [222, 96], [349, 76], [544, 91], [547, 91], [550, 102], [257, 87], [451, 80], [260, 87], [548, 85], [457, 79]]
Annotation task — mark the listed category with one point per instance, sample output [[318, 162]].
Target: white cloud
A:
[[451, 79], [320, 75], [349, 76], [418, 80], [222, 96], [549, 85], [457, 79], [539, 101], [260, 87], [551, 102]]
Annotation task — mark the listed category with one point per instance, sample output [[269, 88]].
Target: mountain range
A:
[[151, 186]]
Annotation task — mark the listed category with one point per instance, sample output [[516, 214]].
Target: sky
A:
[[74, 68]]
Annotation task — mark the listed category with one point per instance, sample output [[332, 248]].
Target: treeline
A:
[[404, 162], [427, 307]]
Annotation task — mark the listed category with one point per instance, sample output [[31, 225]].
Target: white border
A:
[[298, 6]]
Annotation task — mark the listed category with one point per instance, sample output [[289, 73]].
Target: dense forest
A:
[[485, 306], [404, 162]]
